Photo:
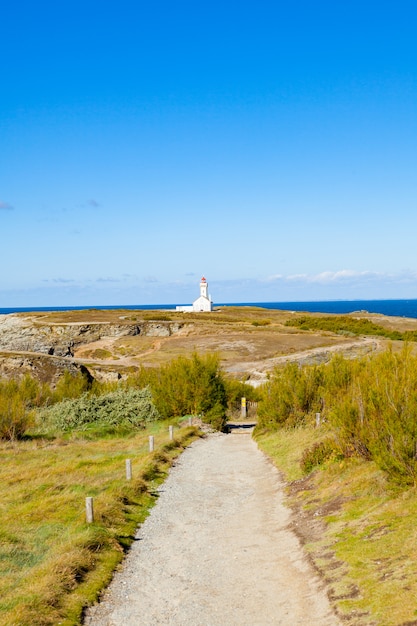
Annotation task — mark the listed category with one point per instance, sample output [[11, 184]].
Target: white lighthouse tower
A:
[[203, 304], [203, 288]]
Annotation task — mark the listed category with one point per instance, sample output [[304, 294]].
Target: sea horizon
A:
[[401, 307]]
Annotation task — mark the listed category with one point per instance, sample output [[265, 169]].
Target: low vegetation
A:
[[192, 385], [64, 444], [187, 386], [352, 476], [357, 526], [52, 563], [352, 479], [348, 325], [370, 405], [261, 323], [122, 409]]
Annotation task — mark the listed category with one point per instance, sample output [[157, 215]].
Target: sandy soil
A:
[[258, 371], [251, 364], [217, 550]]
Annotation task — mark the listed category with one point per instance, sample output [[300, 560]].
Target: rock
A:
[[45, 349], [20, 334], [105, 375], [42, 367]]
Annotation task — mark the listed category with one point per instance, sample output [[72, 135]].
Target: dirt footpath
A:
[[216, 550]]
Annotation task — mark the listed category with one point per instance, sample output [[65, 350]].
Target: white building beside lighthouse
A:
[[203, 302]]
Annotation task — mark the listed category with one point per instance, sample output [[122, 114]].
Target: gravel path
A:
[[216, 550]]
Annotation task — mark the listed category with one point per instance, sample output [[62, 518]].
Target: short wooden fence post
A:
[[151, 443], [128, 469], [171, 432], [318, 420], [89, 510], [190, 421]]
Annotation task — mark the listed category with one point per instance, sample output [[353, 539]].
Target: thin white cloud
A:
[[343, 277], [340, 276], [296, 277], [61, 281], [271, 279], [329, 276]]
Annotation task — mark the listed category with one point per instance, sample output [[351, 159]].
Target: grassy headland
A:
[[52, 563], [352, 481]]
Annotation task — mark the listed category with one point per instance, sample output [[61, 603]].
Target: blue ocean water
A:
[[400, 308]]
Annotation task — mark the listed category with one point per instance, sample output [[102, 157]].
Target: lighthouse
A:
[[203, 303], [203, 288]]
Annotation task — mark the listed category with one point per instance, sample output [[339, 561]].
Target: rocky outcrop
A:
[[45, 350], [42, 367], [20, 334], [106, 375]]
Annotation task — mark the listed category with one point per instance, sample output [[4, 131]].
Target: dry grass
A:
[[243, 337], [51, 562], [88, 316], [227, 315], [248, 340], [230, 333], [244, 315], [360, 532], [231, 346]]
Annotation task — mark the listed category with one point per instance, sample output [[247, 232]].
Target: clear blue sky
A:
[[269, 145]]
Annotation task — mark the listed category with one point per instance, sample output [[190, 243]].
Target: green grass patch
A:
[[101, 353], [157, 317], [345, 325], [358, 528], [261, 323], [52, 563]]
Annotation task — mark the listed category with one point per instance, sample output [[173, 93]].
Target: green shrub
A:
[[352, 325], [71, 386], [187, 386], [15, 418], [17, 400], [129, 408], [319, 453], [370, 405], [388, 395], [236, 390], [215, 416], [292, 393]]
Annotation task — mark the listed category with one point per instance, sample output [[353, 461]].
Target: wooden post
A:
[[171, 432], [128, 469], [190, 421], [89, 510], [243, 408], [318, 419], [151, 443]]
